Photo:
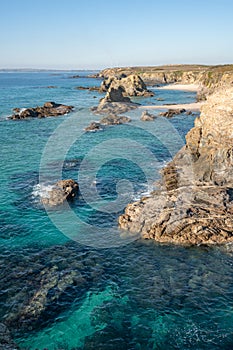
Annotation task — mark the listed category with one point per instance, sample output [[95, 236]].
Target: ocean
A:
[[69, 278]]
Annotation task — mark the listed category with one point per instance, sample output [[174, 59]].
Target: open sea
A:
[[69, 278]]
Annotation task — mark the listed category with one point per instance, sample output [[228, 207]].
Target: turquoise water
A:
[[69, 278]]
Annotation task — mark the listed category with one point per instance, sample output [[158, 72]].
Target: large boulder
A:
[[49, 109], [194, 203], [61, 191]]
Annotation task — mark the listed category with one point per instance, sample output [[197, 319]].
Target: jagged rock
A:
[[114, 103], [49, 109], [171, 112], [94, 126], [131, 85], [194, 204], [61, 191], [6, 343], [147, 117], [113, 119]]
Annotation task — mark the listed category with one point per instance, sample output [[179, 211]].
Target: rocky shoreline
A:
[[194, 202]]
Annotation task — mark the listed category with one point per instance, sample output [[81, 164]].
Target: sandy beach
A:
[[196, 106], [184, 87]]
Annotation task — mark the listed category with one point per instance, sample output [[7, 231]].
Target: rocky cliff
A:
[[194, 202], [208, 76]]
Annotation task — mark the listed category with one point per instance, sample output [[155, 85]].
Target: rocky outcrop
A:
[[111, 119], [147, 117], [62, 190], [131, 85], [205, 76], [194, 203], [114, 103], [172, 112], [49, 109], [94, 126]]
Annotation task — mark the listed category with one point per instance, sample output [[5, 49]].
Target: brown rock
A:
[[113, 119], [49, 109], [94, 126], [171, 112], [132, 85], [62, 190], [147, 117], [195, 202]]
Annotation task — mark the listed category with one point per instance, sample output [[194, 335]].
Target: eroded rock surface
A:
[[194, 204], [49, 109]]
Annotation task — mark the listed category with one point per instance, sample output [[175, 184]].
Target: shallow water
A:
[[103, 289]]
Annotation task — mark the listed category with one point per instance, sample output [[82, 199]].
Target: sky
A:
[[95, 34]]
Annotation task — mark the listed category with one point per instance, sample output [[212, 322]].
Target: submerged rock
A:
[[147, 117], [6, 343], [62, 190], [46, 282], [194, 204], [49, 109]]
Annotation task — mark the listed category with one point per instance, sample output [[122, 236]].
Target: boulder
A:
[[61, 191], [147, 117], [94, 126], [172, 112], [49, 109]]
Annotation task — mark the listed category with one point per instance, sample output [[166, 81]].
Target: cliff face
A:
[[194, 204]]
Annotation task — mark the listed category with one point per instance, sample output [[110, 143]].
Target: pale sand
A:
[[184, 87], [188, 106]]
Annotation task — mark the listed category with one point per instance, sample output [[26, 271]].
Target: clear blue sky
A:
[[84, 34]]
